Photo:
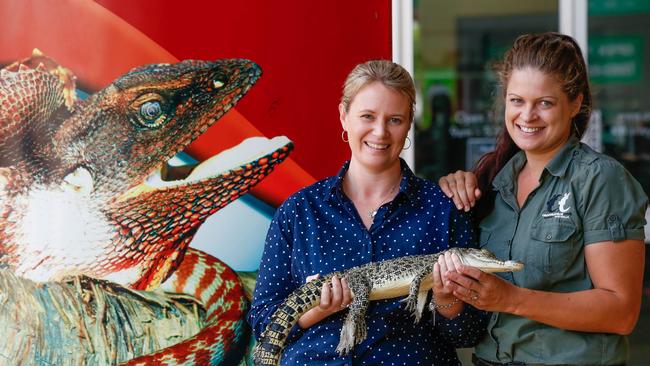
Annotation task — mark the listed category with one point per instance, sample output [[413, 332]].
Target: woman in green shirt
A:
[[573, 216]]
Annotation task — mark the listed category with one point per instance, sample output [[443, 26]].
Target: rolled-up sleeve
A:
[[614, 204]]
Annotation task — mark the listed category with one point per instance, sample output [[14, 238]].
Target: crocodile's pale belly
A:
[[397, 288]]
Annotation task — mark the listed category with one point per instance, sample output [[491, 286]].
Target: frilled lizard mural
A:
[[81, 193]]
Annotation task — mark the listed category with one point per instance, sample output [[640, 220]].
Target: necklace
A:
[[386, 198]]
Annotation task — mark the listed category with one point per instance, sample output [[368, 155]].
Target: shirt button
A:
[[548, 236], [612, 218]]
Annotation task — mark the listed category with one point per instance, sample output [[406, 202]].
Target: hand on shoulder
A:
[[462, 188]]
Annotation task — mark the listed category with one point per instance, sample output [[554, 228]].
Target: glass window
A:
[[619, 65], [456, 41]]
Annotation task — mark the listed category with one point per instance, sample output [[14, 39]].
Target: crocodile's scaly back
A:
[[409, 275], [269, 347]]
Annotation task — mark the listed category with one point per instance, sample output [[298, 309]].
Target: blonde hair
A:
[[390, 74]]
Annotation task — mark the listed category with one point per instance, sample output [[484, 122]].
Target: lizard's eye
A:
[[150, 111]]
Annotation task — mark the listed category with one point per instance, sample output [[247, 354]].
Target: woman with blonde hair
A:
[[374, 209]]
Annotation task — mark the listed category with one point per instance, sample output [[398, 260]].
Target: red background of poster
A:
[[304, 47]]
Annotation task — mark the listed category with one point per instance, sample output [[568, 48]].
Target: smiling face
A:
[[377, 123], [538, 113]]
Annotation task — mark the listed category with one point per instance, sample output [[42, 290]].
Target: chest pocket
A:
[[554, 244]]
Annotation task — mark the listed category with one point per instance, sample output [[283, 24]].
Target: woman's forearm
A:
[[595, 310], [312, 317], [612, 306]]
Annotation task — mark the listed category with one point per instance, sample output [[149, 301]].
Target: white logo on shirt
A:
[[556, 206], [563, 201]]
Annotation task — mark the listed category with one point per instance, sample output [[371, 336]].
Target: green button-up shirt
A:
[[583, 197]]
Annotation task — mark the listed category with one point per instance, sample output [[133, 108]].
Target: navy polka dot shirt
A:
[[318, 230]]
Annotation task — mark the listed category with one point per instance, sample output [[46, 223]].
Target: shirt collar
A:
[[408, 185], [334, 185], [560, 162], [505, 178], [557, 166]]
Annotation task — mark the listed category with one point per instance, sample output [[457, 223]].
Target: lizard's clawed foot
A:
[[352, 333]]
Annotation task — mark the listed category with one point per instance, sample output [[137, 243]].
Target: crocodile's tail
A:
[[269, 347], [224, 339]]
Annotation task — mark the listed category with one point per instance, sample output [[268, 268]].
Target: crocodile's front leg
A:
[[417, 297], [354, 329]]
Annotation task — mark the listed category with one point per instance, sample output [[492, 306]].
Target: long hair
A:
[[553, 54]]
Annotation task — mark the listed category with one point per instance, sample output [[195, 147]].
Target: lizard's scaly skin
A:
[[73, 197]]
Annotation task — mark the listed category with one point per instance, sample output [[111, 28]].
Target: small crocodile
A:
[[409, 275]]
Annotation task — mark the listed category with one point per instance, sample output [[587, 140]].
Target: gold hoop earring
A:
[[407, 147], [343, 136]]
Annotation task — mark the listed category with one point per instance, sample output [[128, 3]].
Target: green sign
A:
[[615, 59], [437, 81], [617, 7]]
